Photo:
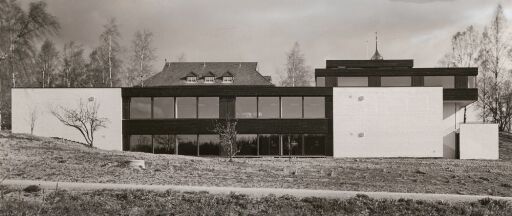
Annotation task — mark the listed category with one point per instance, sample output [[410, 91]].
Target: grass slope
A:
[[29, 157], [139, 202]]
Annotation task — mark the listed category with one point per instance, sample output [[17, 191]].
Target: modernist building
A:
[[359, 108]]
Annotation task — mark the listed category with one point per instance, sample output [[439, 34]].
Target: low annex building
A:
[[358, 108]]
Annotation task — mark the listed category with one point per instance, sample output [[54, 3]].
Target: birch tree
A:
[[227, 132], [73, 66], [47, 63], [110, 50], [142, 58], [297, 73]]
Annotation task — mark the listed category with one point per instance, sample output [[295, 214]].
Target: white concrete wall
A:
[[25, 100], [479, 141], [453, 117], [388, 122]]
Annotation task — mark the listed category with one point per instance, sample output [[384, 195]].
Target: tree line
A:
[[489, 49], [29, 58]]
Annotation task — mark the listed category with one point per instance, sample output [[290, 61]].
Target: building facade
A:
[[359, 108]]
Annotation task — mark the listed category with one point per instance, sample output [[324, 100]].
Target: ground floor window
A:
[[247, 144], [269, 144], [314, 144], [209, 145], [187, 144], [141, 143], [164, 144]]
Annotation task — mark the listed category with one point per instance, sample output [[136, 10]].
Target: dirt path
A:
[[257, 192]]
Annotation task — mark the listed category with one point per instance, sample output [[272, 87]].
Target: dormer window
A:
[[209, 79], [227, 77], [191, 77]]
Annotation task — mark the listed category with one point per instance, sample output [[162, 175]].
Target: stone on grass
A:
[[137, 164]]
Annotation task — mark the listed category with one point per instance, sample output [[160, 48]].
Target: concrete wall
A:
[[42, 100], [453, 118], [479, 141], [388, 122]]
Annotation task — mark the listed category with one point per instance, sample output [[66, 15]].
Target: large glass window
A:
[[209, 145], [268, 107], [186, 107], [293, 142], [246, 107], [291, 107], [314, 144], [314, 107], [268, 144], [140, 108], [353, 81], [187, 144], [163, 107], [164, 144], [141, 143], [320, 81], [439, 81], [247, 144], [393, 81], [471, 81], [208, 107]]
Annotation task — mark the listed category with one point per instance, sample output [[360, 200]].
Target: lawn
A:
[[29, 157], [139, 202]]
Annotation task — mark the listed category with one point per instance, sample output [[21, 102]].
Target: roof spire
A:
[[376, 55]]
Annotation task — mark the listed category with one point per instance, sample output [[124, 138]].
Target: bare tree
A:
[[226, 129], [110, 50], [47, 62], [493, 82], [143, 54], [84, 118], [297, 73], [73, 66]]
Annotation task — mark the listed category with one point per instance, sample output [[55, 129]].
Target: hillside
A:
[[30, 157]]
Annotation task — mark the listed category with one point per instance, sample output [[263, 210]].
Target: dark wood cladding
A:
[[374, 81], [460, 94], [407, 63], [227, 107], [331, 81], [219, 91], [244, 126], [461, 82], [337, 72], [418, 80]]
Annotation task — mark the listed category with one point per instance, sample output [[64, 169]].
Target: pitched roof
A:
[[175, 73]]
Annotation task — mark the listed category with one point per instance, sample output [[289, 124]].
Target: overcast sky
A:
[[264, 30]]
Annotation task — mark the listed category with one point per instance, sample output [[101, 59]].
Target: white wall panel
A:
[[479, 141], [25, 100], [388, 122]]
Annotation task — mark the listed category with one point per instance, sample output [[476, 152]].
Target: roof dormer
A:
[[191, 77], [209, 77], [227, 77]]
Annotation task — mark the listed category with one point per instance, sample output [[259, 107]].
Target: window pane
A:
[[291, 107], [440, 81], [163, 107], [269, 144], [245, 107], [208, 107], [353, 81], [141, 143], [140, 108], [395, 81], [471, 81], [209, 145], [187, 144], [186, 107], [268, 107], [247, 143], [164, 144], [293, 142], [320, 81], [314, 144], [314, 107]]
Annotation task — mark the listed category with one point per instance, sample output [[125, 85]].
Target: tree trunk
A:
[[109, 59]]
